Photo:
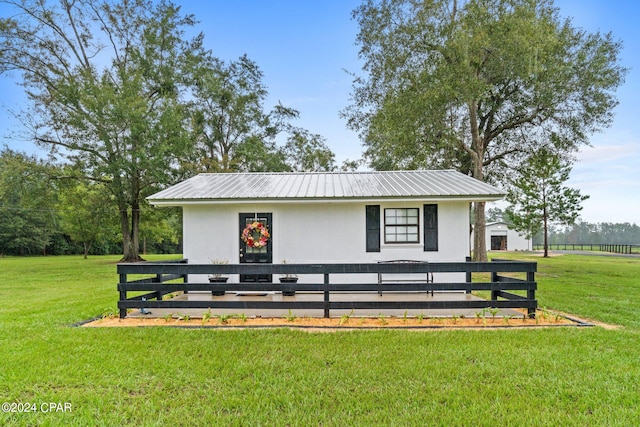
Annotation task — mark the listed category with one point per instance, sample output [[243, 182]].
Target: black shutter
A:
[[373, 228], [430, 228]]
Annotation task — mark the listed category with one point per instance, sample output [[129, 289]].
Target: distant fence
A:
[[161, 278], [601, 247]]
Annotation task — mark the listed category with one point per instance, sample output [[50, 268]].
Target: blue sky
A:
[[304, 47]]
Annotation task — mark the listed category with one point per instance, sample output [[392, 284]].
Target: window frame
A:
[[387, 225]]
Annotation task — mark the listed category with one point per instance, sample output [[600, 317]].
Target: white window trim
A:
[[387, 241]]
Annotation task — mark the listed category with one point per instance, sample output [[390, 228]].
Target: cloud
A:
[[607, 172], [607, 153]]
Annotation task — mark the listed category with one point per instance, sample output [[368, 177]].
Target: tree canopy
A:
[[105, 80], [27, 201], [234, 132], [230, 126], [86, 213], [593, 233], [474, 85], [43, 212], [306, 152], [126, 100]]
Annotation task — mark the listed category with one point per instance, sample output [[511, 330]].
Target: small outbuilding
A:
[[501, 237], [326, 217]]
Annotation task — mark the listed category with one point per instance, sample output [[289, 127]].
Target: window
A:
[[401, 225]]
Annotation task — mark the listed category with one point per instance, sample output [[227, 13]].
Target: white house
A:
[[326, 217], [500, 237]]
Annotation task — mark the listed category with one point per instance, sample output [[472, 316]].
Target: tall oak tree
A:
[[474, 84], [105, 81]]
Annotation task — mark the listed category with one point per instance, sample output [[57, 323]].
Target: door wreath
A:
[[255, 235]]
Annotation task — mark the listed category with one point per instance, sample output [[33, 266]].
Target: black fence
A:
[[601, 247], [161, 278]]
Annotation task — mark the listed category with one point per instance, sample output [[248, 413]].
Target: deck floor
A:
[[318, 296]]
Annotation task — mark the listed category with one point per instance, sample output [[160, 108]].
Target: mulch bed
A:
[[543, 319]]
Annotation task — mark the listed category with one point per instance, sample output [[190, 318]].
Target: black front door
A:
[[254, 251]]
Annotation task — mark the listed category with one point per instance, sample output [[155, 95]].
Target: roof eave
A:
[[440, 198]]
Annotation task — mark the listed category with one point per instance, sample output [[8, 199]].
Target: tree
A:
[[603, 232], [105, 82], [495, 215], [538, 197], [234, 132], [232, 129], [27, 202], [86, 214], [474, 85], [161, 228], [306, 152]]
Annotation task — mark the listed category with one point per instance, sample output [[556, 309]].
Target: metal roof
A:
[[278, 186]]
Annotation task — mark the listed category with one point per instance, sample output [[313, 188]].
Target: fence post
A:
[[468, 276], [494, 278], [123, 296], [531, 294], [326, 295], [159, 280]]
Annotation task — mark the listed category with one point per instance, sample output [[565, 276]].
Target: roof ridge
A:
[[330, 172]]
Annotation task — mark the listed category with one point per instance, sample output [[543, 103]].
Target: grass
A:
[[601, 287], [165, 376]]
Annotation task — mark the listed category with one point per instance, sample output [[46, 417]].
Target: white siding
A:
[[327, 232]]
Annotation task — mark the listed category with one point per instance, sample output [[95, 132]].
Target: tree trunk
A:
[[130, 252], [477, 154], [546, 232], [479, 223], [479, 235]]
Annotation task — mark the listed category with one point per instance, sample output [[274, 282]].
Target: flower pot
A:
[[286, 290], [218, 280]]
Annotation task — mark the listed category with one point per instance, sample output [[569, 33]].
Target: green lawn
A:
[[169, 376]]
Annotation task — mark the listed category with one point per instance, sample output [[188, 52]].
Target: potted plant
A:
[[218, 278], [285, 279]]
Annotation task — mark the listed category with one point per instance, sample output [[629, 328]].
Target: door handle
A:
[[241, 255]]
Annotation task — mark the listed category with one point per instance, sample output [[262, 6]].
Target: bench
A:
[[381, 280]]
